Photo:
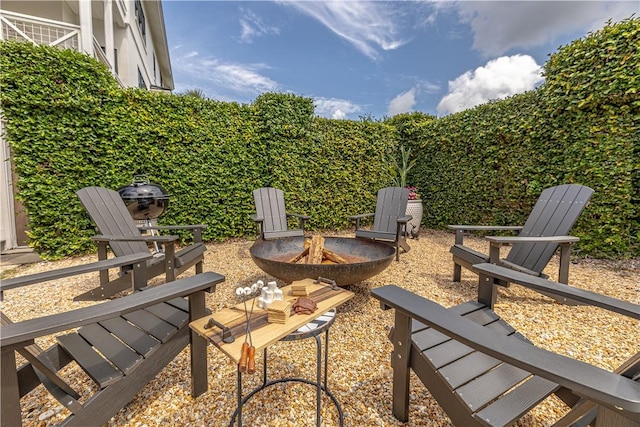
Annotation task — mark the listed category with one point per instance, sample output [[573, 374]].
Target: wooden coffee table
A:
[[264, 334]]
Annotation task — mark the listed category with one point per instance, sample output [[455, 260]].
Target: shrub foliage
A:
[[69, 125]]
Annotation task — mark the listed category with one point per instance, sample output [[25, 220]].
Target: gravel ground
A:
[[360, 373]]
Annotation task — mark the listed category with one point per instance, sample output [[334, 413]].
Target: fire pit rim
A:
[[343, 274]]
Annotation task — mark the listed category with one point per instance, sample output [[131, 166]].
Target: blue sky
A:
[[374, 58]]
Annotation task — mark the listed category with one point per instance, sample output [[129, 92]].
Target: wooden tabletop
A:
[[264, 333]]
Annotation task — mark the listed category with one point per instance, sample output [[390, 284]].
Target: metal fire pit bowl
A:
[[366, 259]]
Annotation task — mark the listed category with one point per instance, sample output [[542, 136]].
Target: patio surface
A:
[[359, 369]]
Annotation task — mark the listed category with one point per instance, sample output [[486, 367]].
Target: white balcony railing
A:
[[16, 26], [100, 56]]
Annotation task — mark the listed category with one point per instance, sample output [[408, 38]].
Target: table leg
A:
[[326, 357], [264, 364], [239, 408], [318, 379]]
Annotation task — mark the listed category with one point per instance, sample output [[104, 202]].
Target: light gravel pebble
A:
[[360, 373]]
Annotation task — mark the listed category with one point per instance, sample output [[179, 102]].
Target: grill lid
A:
[[143, 199]]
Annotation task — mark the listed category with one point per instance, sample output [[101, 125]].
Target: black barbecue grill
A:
[[145, 201]]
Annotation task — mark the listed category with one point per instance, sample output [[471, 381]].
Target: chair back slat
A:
[[554, 214], [391, 204], [270, 206], [108, 211]]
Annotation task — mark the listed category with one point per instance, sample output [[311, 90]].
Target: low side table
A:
[[311, 330], [264, 334]]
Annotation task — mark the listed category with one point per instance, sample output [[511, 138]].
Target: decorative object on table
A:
[[278, 312], [304, 305], [247, 361], [269, 294], [299, 290]]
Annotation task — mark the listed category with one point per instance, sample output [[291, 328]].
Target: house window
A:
[[155, 74], [140, 19], [141, 83]]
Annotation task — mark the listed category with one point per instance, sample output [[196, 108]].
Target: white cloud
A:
[[402, 103], [252, 26], [502, 25], [366, 25], [334, 108], [498, 79], [216, 77]]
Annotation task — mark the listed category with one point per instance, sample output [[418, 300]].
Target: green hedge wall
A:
[[69, 126], [487, 165]]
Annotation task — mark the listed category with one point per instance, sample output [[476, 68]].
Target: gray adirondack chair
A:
[[271, 216], [119, 232], [546, 228], [389, 219], [484, 373], [121, 344]]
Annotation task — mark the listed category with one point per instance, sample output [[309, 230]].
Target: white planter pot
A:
[[414, 208]]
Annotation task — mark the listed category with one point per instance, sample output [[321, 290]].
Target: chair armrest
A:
[[26, 331], [256, 218], [46, 276], [357, 217], [404, 219], [486, 227], [607, 388], [302, 217], [158, 238], [549, 287], [196, 229], [174, 227], [460, 230], [507, 240]]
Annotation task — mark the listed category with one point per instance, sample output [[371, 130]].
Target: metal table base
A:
[[313, 329]]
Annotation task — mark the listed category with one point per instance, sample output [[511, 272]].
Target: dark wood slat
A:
[[467, 368], [517, 402], [270, 209], [101, 371], [111, 216], [428, 338], [150, 323], [489, 386], [482, 317], [555, 213], [29, 329], [446, 353], [189, 253], [502, 327], [180, 303], [472, 310], [73, 271], [606, 388], [170, 314], [559, 289], [141, 342], [110, 347]]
